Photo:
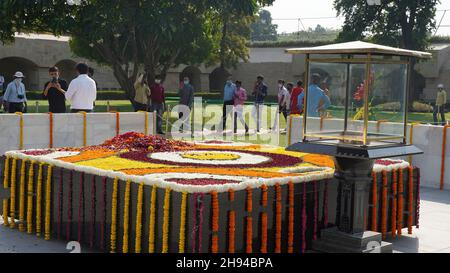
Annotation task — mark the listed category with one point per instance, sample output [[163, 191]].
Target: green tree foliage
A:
[[263, 29], [135, 35], [402, 23]]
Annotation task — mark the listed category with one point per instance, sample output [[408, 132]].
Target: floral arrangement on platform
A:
[[192, 166]]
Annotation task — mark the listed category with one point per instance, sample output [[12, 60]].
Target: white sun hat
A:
[[19, 75], [440, 86]]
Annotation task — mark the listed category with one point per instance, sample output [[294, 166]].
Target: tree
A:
[[399, 23], [263, 29], [131, 36], [402, 23]]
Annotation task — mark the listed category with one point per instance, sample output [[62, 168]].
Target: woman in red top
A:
[[294, 99]]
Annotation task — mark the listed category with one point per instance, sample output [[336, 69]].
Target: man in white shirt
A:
[[82, 91]]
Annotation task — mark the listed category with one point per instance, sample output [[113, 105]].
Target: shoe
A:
[[161, 133]]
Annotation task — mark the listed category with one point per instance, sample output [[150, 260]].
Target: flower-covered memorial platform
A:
[[138, 193]]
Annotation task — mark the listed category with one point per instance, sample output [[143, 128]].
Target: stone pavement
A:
[[433, 235]]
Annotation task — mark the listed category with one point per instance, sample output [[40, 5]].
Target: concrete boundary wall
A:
[[428, 138], [67, 129]]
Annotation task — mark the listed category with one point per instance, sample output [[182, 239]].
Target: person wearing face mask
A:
[[54, 92], [284, 98], [228, 101], [15, 95], [260, 92], [186, 94], [158, 100]]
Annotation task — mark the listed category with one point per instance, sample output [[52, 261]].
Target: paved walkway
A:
[[433, 235]]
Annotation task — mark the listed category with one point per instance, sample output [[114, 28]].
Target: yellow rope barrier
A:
[[165, 237], [12, 206], [20, 130], [39, 201], [114, 216], [126, 217], [30, 197], [151, 239], [48, 200], [145, 122], [22, 197], [182, 240], [138, 239], [6, 173]]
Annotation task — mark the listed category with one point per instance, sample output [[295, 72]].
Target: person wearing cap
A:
[[260, 92], [15, 94], [318, 101], [441, 101]]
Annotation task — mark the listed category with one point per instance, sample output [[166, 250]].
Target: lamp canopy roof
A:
[[359, 47]]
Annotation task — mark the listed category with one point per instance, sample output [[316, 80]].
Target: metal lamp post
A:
[[372, 76]]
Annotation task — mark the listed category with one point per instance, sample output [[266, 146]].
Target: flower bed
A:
[[139, 193]]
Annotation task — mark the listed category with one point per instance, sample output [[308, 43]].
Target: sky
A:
[[313, 12]]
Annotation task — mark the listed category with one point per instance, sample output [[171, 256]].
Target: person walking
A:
[[158, 100], [284, 99], [82, 91], [240, 97], [294, 98], [186, 94], [15, 95], [228, 101], [318, 101], [439, 108], [260, 93], [141, 102], [54, 92]]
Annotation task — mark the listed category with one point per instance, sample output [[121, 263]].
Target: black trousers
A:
[[80, 110], [15, 107], [441, 111], [226, 111]]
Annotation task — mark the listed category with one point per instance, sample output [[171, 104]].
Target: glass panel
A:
[[326, 100], [387, 101], [356, 100]]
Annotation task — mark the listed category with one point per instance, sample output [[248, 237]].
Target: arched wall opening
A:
[[217, 79], [67, 69], [10, 65]]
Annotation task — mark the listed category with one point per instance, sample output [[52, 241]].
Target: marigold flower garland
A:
[[182, 239], [151, 240], [60, 203], [126, 217], [278, 217], [139, 209], [20, 115], [410, 199], [117, 123], [264, 197], [39, 200], [249, 227], [304, 219], [81, 208], [50, 117], [374, 202], [114, 215], [69, 207], [12, 206], [103, 216], [400, 202], [166, 219], [231, 224], [48, 199], [316, 209], [5, 186], [30, 197], [418, 199], [84, 114], [22, 197], [394, 204], [384, 205], [291, 218], [93, 212], [215, 222]]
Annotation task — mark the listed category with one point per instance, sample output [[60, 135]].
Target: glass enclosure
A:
[[356, 99]]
